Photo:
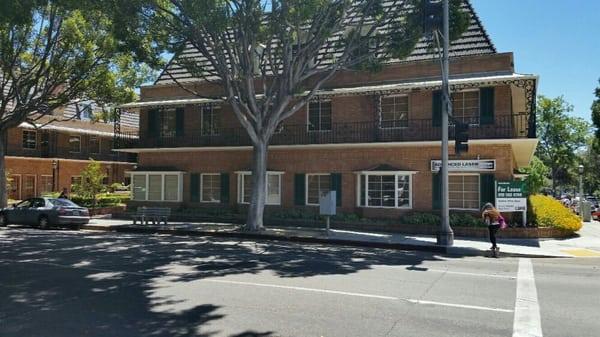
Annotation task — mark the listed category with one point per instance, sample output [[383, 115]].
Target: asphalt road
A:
[[64, 283]]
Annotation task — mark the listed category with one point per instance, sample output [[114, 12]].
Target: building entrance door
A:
[[15, 187]]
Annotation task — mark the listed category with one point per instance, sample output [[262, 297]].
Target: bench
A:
[[154, 214]]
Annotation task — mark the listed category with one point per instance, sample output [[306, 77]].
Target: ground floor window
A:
[[273, 193], [317, 186], [75, 181], [463, 191], [385, 190], [46, 184], [29, 186], [210, 186], [157, 186]]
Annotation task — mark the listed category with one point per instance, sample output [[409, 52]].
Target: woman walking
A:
[[494, 220]]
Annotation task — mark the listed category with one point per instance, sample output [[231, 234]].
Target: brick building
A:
[[51, 157], [372, 137]]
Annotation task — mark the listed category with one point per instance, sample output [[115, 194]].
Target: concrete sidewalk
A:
[[587, 244]]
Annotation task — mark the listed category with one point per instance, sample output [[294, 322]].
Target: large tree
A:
[[53, 52], [596, 116], [561, 138], [271, 57]]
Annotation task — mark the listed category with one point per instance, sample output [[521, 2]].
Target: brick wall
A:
[[345, 161]]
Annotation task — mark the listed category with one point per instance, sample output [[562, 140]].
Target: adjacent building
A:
[[372, 137], [48, 157]]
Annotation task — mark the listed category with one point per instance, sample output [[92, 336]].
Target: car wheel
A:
[[3, 222], [43, 222]]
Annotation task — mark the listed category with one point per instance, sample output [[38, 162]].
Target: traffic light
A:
[[461, 137], [432, 12]]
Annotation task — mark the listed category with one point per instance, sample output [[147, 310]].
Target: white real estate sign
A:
[[466, 165]]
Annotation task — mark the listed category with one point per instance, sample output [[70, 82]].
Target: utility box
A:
[[327, 203], [586, 211]]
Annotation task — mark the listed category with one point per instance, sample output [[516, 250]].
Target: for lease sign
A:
[[510, 196]]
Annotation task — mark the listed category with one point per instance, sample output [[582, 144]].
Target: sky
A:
[[558, 40]]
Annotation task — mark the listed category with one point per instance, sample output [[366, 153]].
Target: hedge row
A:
[[546, 211], [105, 200]]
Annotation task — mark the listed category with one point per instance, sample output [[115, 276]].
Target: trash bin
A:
[[586, 211]]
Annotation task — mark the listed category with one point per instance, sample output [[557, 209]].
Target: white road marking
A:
[[268, 285], [414, 301], [527, 321], [464, 306], [425, 269]]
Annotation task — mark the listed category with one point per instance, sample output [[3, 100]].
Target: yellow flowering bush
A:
[[548, 212]]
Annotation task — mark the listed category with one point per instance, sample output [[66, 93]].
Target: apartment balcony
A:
[[66, 153], [414, 130]]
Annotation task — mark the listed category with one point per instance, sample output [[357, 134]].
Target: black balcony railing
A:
[[66, 153], [510, 126]]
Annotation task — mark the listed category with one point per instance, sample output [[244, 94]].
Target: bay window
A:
[[385, 189]]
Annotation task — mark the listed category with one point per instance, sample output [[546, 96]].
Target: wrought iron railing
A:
[[509, 126], [67, 153]]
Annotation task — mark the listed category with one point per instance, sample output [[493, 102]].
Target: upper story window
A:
[[210, 120], [319, 115], [29, 139], [394, 111], [75, 144], [465, 106], [168, 123], [94, 144]]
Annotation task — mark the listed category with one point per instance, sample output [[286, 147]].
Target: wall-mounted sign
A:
[[511, 196], [466, 165]]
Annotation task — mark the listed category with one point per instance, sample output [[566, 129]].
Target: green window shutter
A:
[[487, 189], [225, 188], [436, 108], [336, 185], [179, 120], [195, 187], [299, 189], [486, 105], [153, 116], [436, 190]]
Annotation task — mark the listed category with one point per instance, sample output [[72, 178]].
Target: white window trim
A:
[[20, 189], [306, 186], [99, 144], [381, 111], [308, 115], [478, 192], [478, 103], [29, 148], [385, 173], [147, 174], [34, 183], [78, 136], [240, 186], [202, 188]]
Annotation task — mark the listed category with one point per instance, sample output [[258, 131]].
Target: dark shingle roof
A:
[[475, 41]]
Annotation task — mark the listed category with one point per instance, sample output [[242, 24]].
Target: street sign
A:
[[466, 165]]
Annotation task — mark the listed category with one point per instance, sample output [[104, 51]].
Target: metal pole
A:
[[445, 236], [581, 193]]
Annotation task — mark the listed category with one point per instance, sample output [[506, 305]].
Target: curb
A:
[[452, 251]]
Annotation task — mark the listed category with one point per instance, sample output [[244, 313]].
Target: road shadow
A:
[[65, 283]]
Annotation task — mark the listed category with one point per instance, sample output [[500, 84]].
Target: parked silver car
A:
[[45, 213]]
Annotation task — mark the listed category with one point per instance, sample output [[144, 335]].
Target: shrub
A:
[[420, 219], [547, 212], [465, 220]]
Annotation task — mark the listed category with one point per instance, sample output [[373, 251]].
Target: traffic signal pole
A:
[[445, 236]]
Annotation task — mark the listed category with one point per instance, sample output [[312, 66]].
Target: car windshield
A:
[[63, 202]]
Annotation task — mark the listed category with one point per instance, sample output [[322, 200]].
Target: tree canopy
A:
[[561, 137]]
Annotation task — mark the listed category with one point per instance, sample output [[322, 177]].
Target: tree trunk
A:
[[3, 182], [553, 173], [259, 188]]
